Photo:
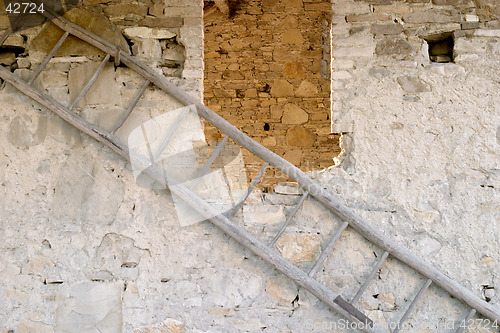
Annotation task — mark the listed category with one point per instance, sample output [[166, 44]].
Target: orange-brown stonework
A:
[[267, 72]]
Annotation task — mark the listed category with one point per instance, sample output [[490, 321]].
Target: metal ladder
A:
[[311, 189]]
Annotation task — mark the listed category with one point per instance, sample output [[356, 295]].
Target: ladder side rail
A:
[[332, 299]]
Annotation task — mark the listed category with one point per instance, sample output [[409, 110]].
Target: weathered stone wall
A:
[[83, 247], [421, 141], [267, 72]]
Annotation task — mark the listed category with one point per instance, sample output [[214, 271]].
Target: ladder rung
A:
[[11, 29], [254, 183], [170, 134], [48, 57], [148, 145], [90, 83], [461, 328], [289, 220], [209, 163], [412, 305], [370, 277], [131, 107], [328, 249]]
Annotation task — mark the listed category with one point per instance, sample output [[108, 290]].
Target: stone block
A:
[[146, 32], [393, 9], [149, 49], [306, 89], [300, 137], [7, 58], [368, 18], [470, 25], [353, 52], [263, 214], [412, 84], [451, 2], [122, 9], [292, 36], [351, 8], [319, 6], [156, 9], [294, 156], [394, 46], [167, 326], [281, 199], [295, 70], [434, 16], [281, 88], [299, 247], [293, 114], [73, 46], [487, 33], [341, 75], [162, 22], [23, 63], [387, 29], [283, 290], [288, 188], [14, 41]]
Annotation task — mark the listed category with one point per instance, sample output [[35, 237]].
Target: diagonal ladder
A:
[[223, 221]]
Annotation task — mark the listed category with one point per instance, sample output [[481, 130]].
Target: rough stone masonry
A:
[[415, 94]]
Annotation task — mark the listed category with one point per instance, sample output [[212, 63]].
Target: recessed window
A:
[[441, 47]]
